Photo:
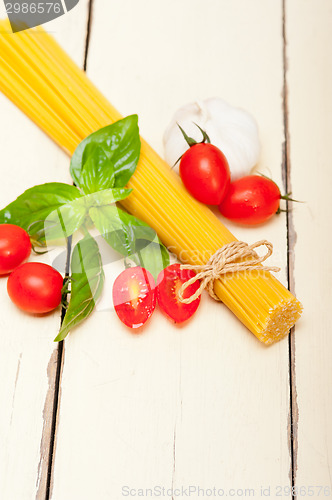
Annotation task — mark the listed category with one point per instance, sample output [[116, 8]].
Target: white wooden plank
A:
[[310, 124], [28, 355], [205, 404]]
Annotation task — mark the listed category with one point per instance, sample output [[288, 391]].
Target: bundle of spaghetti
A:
[[41, 79]]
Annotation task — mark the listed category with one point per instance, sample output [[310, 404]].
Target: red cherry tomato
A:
[[134, 296], [35, 287], [205, 173], [251, 200], [169, 283], [15, 247]]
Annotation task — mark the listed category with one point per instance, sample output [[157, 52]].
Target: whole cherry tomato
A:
[[251, 200], [15, 247], [134, 296], [169, 283], [35, 287], [204, 171]]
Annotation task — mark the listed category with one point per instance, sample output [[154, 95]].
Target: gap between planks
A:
[[50, 413], [54, 372], [291, 240]]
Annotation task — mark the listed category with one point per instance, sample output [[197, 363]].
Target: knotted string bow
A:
[[225, 261]]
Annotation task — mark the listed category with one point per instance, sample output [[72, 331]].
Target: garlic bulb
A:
[[231, 129]]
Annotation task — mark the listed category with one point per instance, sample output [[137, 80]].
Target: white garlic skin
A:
[[233, 130]]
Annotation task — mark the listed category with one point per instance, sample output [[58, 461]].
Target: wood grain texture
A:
[[205, 404], [28, 355], [309, 79]]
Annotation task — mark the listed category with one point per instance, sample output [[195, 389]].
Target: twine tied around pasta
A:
[[223, 262]]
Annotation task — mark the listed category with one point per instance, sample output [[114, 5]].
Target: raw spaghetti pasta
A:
[[41, 79]]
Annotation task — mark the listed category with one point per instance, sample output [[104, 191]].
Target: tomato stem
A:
[[36, 251], [35, 243], [282, 196], [281, 210], [206, 138], [37, 238], [66, 282], [65, 291], [288, 198], [189, 140], [64, 303], [192, 142], [177, 161]]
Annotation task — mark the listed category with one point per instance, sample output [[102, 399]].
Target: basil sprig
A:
[[100, 167], [87, 280]]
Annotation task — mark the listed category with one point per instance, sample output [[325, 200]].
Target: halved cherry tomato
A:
[[251, 200], [15, 247], [204, 170], [35, 287], [134, 296], [169, 283]]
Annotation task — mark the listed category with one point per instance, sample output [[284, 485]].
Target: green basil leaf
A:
[[136, 228], [120, 142], [87, 283], [120, 229], [130, 237], [153, 256], [98, 170], [64, 221], [105, 197], [35, 204]]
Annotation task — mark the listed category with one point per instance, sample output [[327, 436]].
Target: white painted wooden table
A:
[[205, 406]]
